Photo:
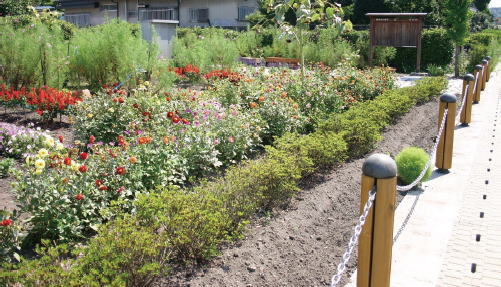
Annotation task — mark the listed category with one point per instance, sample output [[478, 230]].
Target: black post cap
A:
[[448, 98], [379, 166]]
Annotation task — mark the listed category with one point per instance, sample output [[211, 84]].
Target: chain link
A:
[[341, 268], [428, 164], [407, 218]]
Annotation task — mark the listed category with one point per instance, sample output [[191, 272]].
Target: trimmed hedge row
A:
[[172, 227], [479, 45]]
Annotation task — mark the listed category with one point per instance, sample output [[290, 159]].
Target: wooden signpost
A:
[[396, 30]]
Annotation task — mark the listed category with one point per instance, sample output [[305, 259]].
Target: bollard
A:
[[488, 58], [376, 238], [478, 76], [484, 73], [468, 80], [444, 152]]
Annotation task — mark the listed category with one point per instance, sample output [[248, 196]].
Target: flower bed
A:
[[187, 225]]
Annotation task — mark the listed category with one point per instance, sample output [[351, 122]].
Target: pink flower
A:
[[216, 141], [231, 139]]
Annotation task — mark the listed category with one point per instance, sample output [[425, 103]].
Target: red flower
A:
[[99, 182], [103, 188], [121, 100], [92, 139], [83, 168], [121, 140], [121, 189], [79, 196], [84, 156], [167, 99], [6, 222], [120, 170], [67, 161], [170, 114], [185, 121], [136, 106], [61, 139], [175, 120]]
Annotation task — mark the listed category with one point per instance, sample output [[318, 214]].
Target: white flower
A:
[[43, 153], [49, 141], [59, 146]]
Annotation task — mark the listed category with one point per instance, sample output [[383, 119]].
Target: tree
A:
[[434, 8], [457, 18], [368, 6], [482, 4], [306, 14]]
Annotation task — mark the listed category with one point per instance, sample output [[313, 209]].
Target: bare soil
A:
[[302, 245]]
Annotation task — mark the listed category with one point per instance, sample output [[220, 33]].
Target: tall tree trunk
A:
[[457, 54]]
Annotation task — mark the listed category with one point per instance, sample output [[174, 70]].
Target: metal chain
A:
[[428, 164], [407, 218], [341, 268]]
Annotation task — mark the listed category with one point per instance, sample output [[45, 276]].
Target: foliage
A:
[[434, 8], [33, 54], [17, 141], [210, 50], [11, 234], [5, 167], [481, 4], [172, 226], [457, 19], [96, 56], [435, 70], [329, 49], [437, 49], [410, 162], [363, 7], [306, 13], [479, 45], [360, 42], [480, 20]]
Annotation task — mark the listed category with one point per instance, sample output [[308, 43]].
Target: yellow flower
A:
[[59, 146], [43, 153], [49, 141], [77, 142], [39, 163], [38, 171], [28, 160], [111, 110], [89, 115], [147, 84]]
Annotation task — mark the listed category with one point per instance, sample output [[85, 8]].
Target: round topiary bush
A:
[[410, 162]]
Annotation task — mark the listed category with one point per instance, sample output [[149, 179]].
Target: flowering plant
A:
[[18, 140]]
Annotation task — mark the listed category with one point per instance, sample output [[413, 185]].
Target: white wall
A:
[[222, 12]]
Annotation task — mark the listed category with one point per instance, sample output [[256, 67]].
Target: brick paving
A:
[[473, 256]]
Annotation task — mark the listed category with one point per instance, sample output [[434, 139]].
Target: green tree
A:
[[434, 8], [457, 18], [306, 13], [481, 4], [368, 6]]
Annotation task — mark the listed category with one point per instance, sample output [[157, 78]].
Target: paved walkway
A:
[[453, 237]]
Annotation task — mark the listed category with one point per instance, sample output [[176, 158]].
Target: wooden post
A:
[[478, 77], [488, 58], [376, 238], [444, 152], [468, 80], [418, 46], [484, 73], [371, 42]]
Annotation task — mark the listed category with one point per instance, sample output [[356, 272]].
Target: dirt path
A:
[[302, 246]]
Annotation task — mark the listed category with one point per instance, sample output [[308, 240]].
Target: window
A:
[[244, 11], [109, 7], [199, 15], [80, 20]]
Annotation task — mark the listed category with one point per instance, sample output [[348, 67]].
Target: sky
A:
[[495, 3]]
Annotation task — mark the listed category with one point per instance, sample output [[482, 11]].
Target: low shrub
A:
[[5, 167], [479, 45], [410, 163], [437, 49], [360, 42]]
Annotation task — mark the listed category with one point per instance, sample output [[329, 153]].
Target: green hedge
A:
[[172, 227], [437, 49], [485, 43]]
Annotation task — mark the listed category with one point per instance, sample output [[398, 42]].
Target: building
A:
[[496, 15], [186, 13]]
